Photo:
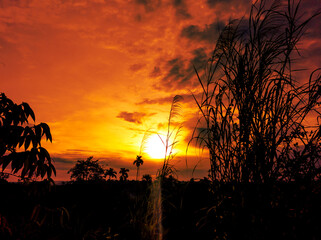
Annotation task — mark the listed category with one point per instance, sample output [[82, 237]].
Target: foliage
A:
[[20, 141], [254, 114], [124, 174], [3, 177], [147, 178], [111, 173], [87, 170], [138, 162], [78, 211]]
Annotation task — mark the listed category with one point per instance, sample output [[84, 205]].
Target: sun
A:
[[155, 147]]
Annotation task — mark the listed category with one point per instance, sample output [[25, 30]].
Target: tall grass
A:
[[253, 111], [151, 211], [171, 139]]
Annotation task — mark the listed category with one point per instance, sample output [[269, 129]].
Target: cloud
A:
[[133, 117], [137, 66], [149, 5], [179, 73], [181, 10], [213, 3], [163, 100], [209, 33], [187, 98], [62, 160], [156, 72]]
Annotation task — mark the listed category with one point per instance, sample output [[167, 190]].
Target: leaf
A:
[[44, 170], [53, 168], [48, 172], [46, 131], [38, 132], [29, 111], [25, 167], [6, 160], [27, 142], [44, 153], [31, 170]]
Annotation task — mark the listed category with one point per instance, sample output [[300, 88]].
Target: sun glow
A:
[[155, 147]]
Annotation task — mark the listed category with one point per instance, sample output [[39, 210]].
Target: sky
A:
[[101, 73]]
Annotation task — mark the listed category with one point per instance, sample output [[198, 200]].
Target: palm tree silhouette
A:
[[139, 161], [124, 174], [111, 173]]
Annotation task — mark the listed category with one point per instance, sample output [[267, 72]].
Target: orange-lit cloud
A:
[[134, 117]]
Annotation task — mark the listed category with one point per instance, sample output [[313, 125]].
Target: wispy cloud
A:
[[134, 117]]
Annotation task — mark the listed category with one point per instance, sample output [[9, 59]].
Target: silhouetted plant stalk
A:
[[171, 140], [167, 169], [253, 112]]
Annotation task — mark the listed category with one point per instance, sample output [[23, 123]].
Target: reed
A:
[[253, 111]]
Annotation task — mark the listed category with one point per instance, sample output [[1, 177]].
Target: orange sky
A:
[[100, 73]]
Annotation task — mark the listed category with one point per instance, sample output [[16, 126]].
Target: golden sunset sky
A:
[[101, 73]]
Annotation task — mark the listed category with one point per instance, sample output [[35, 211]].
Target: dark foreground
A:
[[191, 210]]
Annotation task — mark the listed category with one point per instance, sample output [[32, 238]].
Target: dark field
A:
[[190, 210]]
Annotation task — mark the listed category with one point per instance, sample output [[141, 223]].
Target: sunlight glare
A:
[[155, 147]]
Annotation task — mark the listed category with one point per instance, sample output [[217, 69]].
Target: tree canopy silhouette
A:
[[138, 162], [87, 170], [20, 141], [254, 114], [111, 173], [147, 178], [124, 174]]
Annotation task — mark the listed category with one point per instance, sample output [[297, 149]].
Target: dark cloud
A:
[[155, 73], [207, 34], [176, 68], [134, 117], [178, 3], [212, 3], [63, 160], [187, 98], [164, 100], [200, 58], [150, 5], [180, 72], [136, 67], [181, 10]]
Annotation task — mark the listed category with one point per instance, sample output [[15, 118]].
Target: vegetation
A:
[[264, 178], [111, 173], [138, 162], [124, 174], [139, 158], [147, 178], [85, 170], [254, 114], [254, 121], [173, 130], [20, 141]]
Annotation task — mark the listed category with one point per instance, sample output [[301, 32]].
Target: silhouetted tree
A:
[[111, 173], [88, 169], [138, 162], [17, 133], [147, 178], [124, 174]]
